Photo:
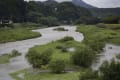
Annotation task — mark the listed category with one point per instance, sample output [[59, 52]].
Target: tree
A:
[[38, 59], [111, 19], [14, 10], [57, 66], [87, 20], [88, 75], [110, 71], [83, 57], [50, 21], [68, 12], [34, 16]]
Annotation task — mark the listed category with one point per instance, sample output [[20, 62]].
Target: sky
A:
[[98, 3]]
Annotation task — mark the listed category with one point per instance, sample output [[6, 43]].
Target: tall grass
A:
[[8, 35]]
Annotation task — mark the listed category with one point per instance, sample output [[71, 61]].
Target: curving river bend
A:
[[48, 35]]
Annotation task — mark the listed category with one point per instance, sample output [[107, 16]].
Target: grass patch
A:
[[94, 34], [10, 35], [59, 50], [60, 29], [29, 26], [6, 57], [28, 75], [109, 26], [118, 56]]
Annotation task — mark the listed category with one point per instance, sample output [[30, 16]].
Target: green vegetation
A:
[[61, 29], [94, 41], [109, 26], [60, 58], [96, 37], [58, 50], [6, 57], [57, 66], [83, 57], [108, 69], [111, 19], [65, 39], [118, 56], [30, 75], [88, 75], [29, 26], [49, 21], [39, 59], [8, 35], [20, 11]]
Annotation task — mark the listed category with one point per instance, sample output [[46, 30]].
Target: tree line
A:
[[49, 13], [41, 12]]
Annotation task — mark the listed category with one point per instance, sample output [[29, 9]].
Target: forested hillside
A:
[[45, 13]]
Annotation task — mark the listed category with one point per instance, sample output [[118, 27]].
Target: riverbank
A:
[[16, 34], [98, 38]]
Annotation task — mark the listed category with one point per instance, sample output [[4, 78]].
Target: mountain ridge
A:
[[82, 4]]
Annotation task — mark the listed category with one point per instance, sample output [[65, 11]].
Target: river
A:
[[19, 63]]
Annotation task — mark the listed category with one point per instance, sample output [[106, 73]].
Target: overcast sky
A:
[[97, 3]]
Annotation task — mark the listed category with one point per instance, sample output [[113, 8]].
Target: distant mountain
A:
[[82, 4], [50, 2]]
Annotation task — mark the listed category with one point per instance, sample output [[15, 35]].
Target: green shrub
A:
[[6, 25], [59, 46], [57, 66], [96, 45], [65, 39], [61, 29], [110, 71], [38, 59], [111, 19], [5, 58], [62, 47], [49, 21], [8, 35], [15, 53], [118, 56], [88, 75], [101, 25], [83, 57]]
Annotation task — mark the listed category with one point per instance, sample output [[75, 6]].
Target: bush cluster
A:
[[110, 71], [65, 39], [61, 29], [83, 57], [57, 66], [88, 75], [39, 59]]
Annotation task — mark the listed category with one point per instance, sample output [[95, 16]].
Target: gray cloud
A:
[[104, 3], [98, 3]]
